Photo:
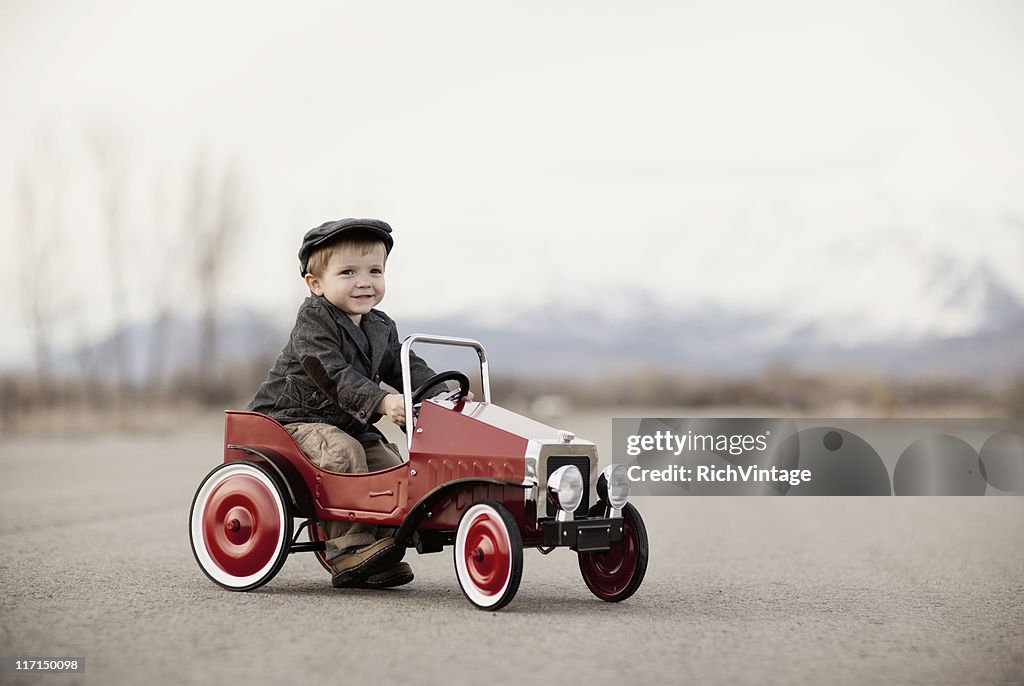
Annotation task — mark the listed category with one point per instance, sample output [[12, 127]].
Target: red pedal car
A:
[[485, 480]]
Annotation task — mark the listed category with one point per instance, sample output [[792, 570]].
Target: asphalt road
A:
[[96, 564]]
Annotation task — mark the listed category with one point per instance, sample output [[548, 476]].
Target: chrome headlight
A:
[[565, 487], [613, 485]]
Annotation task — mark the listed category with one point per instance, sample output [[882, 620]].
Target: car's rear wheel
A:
[[488, 555], [316, 535], [617, 574], [239, 526]]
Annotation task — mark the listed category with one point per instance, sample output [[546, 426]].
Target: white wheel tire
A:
[[500, 527]]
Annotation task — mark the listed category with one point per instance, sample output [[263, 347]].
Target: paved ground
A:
[[96, 564]]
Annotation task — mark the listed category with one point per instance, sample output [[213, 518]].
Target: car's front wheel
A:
[[617, 574], [488, 555]]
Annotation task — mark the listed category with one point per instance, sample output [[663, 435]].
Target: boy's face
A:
[[353, 282]]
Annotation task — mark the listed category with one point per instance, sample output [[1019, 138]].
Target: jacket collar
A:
[[371, 337]]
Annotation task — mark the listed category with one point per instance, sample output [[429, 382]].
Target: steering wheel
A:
[[452, 375]]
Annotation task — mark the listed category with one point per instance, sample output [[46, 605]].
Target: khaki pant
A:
[[337, 451]]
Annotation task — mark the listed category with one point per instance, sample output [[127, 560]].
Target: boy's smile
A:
[[353, 280]]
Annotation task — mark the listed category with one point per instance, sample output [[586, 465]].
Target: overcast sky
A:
[[822, 155]]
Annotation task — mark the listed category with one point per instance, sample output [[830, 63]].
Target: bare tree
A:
[[215, 215], [112, 178], [163, 286], [39, 229]]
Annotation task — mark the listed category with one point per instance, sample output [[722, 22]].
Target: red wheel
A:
[[316, 535], [488, 555], [239, 527], [615, 575]]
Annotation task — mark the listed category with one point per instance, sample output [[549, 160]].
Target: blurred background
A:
[[795, 208]]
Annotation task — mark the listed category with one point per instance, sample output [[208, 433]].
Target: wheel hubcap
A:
[[488, 558], [238, 527], [241, 525]]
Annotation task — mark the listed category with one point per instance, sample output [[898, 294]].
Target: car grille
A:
[[582, 463]]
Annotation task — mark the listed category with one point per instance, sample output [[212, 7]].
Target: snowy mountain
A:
[[966, 320], [714, 341], [159, 348]]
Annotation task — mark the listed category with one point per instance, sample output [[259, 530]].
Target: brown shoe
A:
[[398, 575], [365, 561]]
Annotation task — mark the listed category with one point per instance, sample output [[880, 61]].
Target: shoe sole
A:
[[397, 580]]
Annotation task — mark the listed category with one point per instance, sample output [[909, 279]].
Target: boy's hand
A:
[[393, 407]]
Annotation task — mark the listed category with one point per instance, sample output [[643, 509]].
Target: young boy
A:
[[325, 386]]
